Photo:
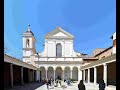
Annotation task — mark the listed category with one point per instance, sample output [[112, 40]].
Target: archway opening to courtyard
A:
[[16, 75], [31, 73], [67, 73], [50, 73], [111, 73], [42, 73], [58, 72], [6, 75], [25, 75], [91, 74], [99, 73], [75, 73]]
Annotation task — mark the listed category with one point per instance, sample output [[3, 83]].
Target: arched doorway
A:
[[50, 73], [42, 73], [67, 72], [58, 72], [75, 73]]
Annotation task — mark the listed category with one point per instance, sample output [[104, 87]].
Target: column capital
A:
[[71, 68], [104, 64], [11, 64], [88, 68], [54, 69], [63, 68], [94, 66]]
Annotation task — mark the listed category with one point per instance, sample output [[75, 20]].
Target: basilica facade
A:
[[58, 58]]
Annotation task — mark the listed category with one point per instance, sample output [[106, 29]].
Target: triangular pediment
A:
[[59, 33]]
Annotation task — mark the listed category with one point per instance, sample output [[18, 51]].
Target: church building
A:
[[58, 58]]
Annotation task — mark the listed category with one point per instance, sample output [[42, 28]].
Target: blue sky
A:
[[92, 22]]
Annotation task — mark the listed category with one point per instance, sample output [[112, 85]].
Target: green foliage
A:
[[72, 80]]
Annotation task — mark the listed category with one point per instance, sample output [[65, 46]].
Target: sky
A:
[[91, 22]]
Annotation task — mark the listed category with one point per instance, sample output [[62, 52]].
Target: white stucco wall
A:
[[50, 48], [24, 44], [114, 49], [114, 36]]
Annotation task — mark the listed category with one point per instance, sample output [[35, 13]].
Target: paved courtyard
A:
[[74, 86], [39, 86], [31, 86]]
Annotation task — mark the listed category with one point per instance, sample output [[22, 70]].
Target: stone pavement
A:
[[74, 86], [30, 86]]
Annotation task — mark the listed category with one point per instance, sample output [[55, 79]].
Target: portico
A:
[[101, 71], [64, 71]]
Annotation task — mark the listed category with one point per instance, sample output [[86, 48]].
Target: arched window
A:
[[58, 50], [27, 42]]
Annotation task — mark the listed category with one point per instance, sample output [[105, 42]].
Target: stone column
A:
[[46, 74], [54, 75], [105, 73], [63, 74], [95, 75], [79, 74], [37, 75], [11, 75], [71, 73], [84, 75], [33, 75], [88, 75], [21, 75]]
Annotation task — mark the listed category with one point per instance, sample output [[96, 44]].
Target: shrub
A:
[[72, 80]]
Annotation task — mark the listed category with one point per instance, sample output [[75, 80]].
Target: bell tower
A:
[[29, 42]]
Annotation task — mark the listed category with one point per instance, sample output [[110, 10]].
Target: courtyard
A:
[[73, 86]]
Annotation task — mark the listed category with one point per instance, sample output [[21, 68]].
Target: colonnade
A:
[[18, 73], [98, 74], [63, 72]]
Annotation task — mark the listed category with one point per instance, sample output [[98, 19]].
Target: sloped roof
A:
[[98, 62], [103, 51], [58, 30]]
